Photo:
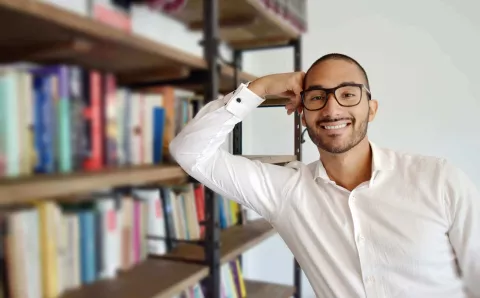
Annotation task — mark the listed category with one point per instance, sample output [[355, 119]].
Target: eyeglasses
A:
[[347, 95]]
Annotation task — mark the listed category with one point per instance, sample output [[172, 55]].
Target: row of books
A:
[[53, 247], [62, 118], [232, 283]]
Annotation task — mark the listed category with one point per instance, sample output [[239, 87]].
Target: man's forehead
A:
[[332, 72]]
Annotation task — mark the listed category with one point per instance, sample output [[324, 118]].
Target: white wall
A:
[[421, 57]]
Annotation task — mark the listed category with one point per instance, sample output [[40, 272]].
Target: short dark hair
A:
[[338, 56]]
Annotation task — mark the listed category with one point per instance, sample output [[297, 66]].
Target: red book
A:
[[93, 116], [200, 203]]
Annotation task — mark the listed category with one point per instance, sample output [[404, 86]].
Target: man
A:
[[362, 221]]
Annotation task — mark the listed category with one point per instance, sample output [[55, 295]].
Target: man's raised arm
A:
[[197, 148]]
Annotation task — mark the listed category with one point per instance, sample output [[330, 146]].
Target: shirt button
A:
[[370, 279], [361, 238], [239, 99]]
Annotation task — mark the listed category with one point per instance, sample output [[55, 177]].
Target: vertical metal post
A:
[[297, 49], [168, 241], [237, 130], [212, 247]]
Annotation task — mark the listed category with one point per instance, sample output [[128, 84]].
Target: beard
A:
[[322, 142]]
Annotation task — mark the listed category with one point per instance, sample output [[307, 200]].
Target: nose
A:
[[331, 107]]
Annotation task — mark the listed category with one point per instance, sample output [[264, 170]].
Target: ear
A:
[[304, 122], [372, 112]]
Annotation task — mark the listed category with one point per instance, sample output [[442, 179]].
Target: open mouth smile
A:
[[335, 126]]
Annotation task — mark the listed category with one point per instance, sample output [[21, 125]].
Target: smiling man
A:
[[362, 221]]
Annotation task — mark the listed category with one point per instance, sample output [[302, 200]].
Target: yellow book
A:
[[241, 281], [48, 214], [234, 211]]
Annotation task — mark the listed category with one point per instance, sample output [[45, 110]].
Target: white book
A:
[[156, 220], [33, 247], [110, 239], [136, 129]]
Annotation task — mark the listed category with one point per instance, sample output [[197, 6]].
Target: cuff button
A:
[[239, 99]]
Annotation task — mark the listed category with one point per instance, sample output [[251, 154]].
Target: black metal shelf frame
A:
[[211, 55], [237, 131]]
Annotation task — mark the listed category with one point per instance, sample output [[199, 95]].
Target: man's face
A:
[[335, 128]]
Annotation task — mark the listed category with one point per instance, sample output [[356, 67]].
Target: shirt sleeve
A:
[[197, 149], [463, 212]]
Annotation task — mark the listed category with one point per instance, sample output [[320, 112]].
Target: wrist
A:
[[257, 88]]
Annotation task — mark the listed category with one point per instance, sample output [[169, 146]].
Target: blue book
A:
[[87, 246], [43, 113], [59, 99], [221, 217], [158, 129]]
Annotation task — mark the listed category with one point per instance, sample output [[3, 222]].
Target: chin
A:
[[335, 149]]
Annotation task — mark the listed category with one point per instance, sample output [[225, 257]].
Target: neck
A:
[[351, 168]]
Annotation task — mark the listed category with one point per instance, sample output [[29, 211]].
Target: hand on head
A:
[[287, 85]]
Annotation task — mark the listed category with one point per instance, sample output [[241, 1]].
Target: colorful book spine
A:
[[110, 131], [10, 129], [87, 246], [42, 125], [158, 128], [93, 116], [78, 137]]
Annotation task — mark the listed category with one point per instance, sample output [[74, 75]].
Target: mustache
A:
[[331, 119]]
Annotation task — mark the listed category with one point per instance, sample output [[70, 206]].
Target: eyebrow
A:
[[323, 87]]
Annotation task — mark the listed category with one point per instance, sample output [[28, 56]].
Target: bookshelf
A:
[[264, 289], [243, 24], [234, 241], [19, 190], [63, 36], [150, 279], [60, 36]]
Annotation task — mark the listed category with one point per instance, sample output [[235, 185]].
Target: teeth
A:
[[335, 126]]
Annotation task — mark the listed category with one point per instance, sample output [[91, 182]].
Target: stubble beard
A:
[[357, 136]]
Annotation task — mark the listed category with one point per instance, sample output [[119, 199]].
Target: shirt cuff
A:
[[242, 101]]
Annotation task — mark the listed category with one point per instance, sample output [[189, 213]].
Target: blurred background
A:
[[420, 56]]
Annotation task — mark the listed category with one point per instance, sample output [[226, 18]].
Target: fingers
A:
[[294, 106]]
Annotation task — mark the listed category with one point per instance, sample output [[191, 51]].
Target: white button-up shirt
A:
[[412, 230]]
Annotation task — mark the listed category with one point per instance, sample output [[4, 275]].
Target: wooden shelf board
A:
[[275, 159], [43, 33], [274, 101], [243, 23], [154, 278], [258, 289], [37, 187], [233, 242]]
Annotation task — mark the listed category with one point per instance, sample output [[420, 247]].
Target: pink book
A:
[[137, 248]]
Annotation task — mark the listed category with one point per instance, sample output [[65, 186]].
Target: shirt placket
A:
[[360, 241]]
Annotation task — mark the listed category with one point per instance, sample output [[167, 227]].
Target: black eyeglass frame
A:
[[333, 90]]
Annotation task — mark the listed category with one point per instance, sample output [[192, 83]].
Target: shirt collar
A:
[[381, 162]]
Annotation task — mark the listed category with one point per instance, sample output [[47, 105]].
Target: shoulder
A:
[[415, 163], [434, 170]]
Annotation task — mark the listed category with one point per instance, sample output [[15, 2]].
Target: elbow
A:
[[179, 150]]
